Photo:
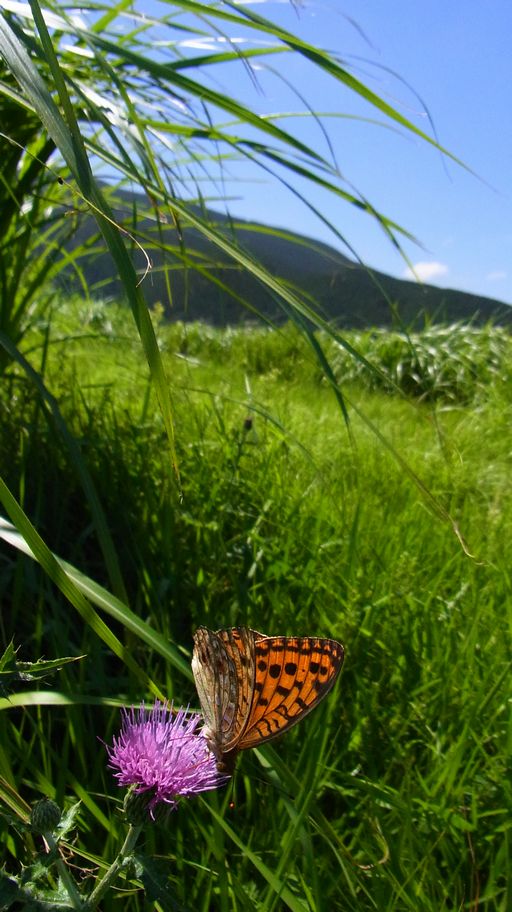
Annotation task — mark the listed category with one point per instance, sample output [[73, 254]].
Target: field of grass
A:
[[391, 534]]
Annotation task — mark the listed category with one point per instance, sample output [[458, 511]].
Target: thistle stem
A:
[[65, 876], [110, 875]]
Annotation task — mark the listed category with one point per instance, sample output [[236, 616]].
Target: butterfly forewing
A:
[[292, 675]]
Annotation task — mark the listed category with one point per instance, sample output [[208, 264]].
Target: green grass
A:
[[395, 794]]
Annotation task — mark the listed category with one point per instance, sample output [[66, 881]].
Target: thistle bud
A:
[[45, 816]]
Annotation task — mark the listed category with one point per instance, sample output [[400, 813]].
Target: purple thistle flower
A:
[[162, 753]]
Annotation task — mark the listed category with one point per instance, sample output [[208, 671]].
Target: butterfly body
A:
[[253, 688]]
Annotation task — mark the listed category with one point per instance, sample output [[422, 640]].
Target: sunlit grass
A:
[[289, 525]]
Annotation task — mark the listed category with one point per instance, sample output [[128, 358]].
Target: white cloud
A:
[[221, 43], [209, 42], [426, 271], [496, 276]]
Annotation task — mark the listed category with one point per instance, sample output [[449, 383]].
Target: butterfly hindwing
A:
[[223, 668], [215, 678]]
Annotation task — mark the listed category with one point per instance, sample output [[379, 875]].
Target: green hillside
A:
[[205, 284]]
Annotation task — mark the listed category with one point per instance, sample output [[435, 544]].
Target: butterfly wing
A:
[[223, 669], [253, 688], [292, 675], [239, 644]]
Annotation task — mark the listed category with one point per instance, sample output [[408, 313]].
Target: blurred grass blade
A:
[[104, 600], [68, 139], [10, 799], [58, 573], [289, 900], [56, 698], [77, 460]]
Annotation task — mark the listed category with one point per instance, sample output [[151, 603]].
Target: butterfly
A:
[[253, 688]]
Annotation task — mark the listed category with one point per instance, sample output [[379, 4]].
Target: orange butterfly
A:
[[253, 688]]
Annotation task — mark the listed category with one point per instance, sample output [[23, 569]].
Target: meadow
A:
[[382, 519], [155, 478]]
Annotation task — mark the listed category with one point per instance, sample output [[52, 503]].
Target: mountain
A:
[[341, 290]]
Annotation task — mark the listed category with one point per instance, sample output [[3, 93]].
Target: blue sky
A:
[[453, 58]]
